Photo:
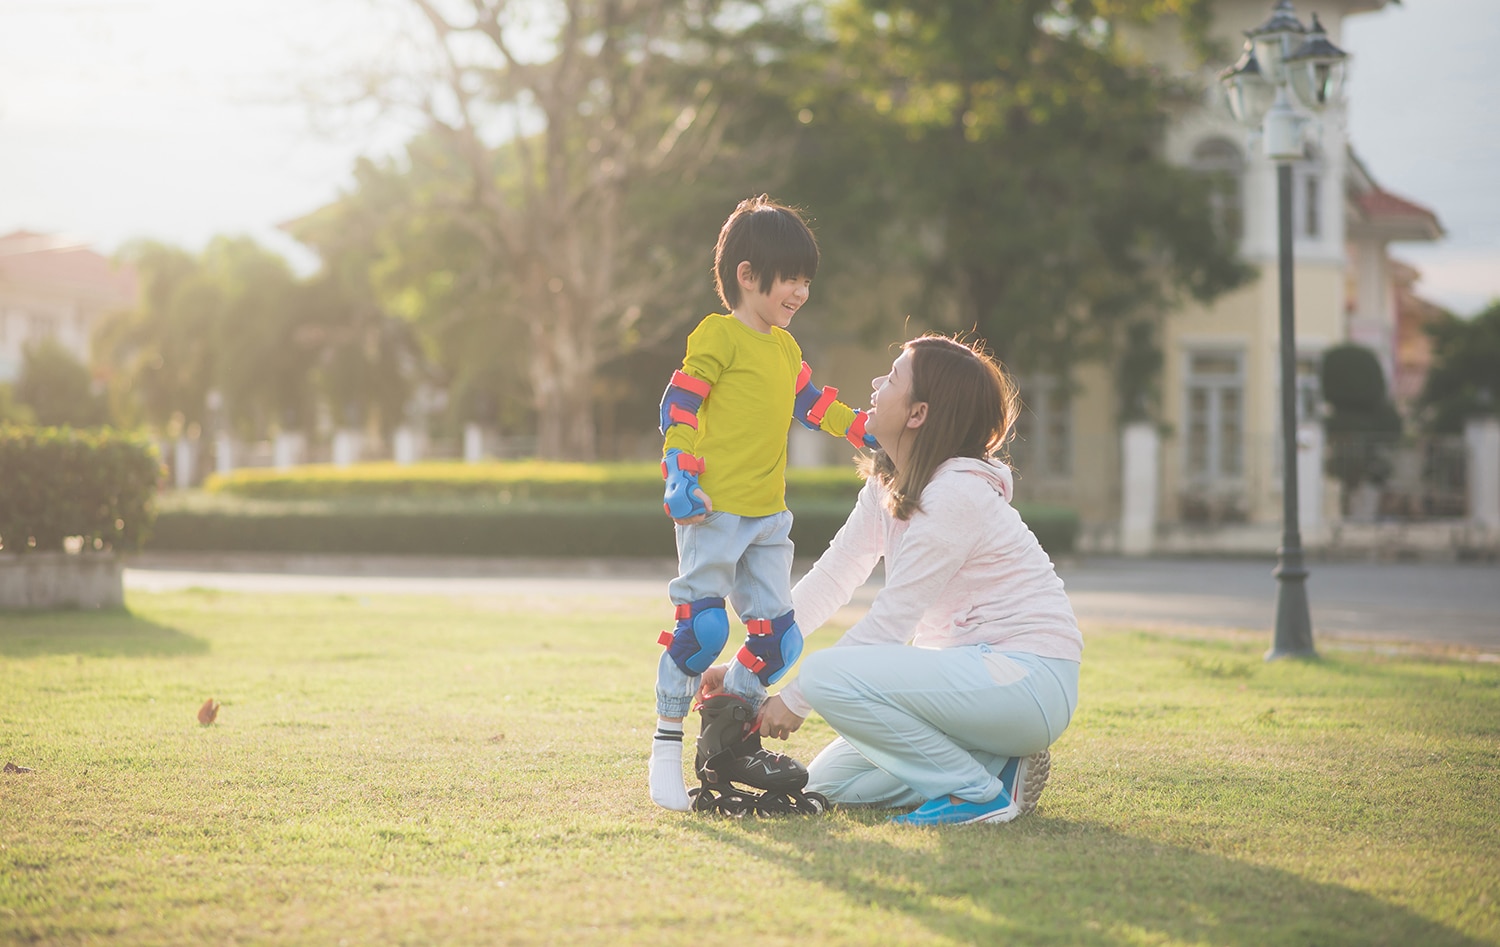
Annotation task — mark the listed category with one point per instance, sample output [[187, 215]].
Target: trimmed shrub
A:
[[59, 482], [467, 527], [499, 481]]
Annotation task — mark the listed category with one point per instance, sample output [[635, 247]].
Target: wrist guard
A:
[[680, 470], [856, 434]]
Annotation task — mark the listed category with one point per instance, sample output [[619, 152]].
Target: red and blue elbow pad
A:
[[681, 469], [812, 402], [682, 399]]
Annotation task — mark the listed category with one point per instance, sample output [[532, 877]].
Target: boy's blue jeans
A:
[[744, 559]]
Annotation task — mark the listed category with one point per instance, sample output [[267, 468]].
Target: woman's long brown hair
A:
[[971, 408]]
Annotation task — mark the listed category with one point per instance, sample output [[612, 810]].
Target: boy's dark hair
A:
[[772, 237]]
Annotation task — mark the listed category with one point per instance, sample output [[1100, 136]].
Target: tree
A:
[[1013, 153], [1362, 425], [57, 387], [1465, 378], [557, 146], [235, 320]]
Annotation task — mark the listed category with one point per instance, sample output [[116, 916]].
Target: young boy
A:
[[724, 417]]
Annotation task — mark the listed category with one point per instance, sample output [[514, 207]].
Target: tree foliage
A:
[[572, 122], [57, 388], [1362, 425], [1465, 378], [235, 321], [1011, 153]]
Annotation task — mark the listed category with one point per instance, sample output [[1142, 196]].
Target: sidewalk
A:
[[1441, 604]]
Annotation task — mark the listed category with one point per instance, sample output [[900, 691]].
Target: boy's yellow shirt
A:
[[743, 423]]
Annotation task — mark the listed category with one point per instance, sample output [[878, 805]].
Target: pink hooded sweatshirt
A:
[[964, 570]]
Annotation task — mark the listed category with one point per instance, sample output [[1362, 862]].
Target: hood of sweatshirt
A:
[[994, 472]]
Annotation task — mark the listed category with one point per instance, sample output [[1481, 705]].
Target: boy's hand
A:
[[712, 681], [684, 501], [708, 507]]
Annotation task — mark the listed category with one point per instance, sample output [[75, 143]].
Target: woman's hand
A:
[[776, 720], [712, 681]]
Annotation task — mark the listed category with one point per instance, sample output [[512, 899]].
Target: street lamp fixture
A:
[[1284, 63]]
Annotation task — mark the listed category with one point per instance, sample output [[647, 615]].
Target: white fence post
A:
[[184, 462], [1482, 445], [346, 447], [473, 443], [1139, 477], [288, 449], [223, 453], [406, 448], [1310, 478]]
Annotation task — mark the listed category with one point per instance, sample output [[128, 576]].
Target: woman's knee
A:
[[817, 676]]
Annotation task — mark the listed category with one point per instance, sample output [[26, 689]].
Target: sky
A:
[[181, 119]]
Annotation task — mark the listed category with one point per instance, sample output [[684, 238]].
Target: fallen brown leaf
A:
[[13, 768], [208, 711]]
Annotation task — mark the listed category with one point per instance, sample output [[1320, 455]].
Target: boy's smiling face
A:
[[774, 307]]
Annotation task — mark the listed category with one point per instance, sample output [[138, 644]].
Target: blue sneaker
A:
[[1023, 779]]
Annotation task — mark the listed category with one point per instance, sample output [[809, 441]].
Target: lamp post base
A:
[[1293, 615]]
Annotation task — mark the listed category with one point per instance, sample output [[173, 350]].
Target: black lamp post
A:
[[1283, 61]]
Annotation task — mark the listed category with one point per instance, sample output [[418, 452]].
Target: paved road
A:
[[1439, 603]]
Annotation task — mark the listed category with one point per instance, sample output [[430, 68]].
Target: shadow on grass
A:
[[1054, 881], [106, 633]]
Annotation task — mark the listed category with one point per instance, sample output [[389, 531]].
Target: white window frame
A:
[[1044, 428], [1220, 159], [1219, 427]]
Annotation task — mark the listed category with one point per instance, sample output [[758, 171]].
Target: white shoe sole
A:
[[1031, 779]]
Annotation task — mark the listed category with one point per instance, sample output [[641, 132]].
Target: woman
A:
[[947, 693]]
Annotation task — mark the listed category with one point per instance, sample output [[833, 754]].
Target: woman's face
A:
[[890, 403]]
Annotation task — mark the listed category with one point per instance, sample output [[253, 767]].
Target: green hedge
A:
[[476, 528], [59, 482], [499, 481]]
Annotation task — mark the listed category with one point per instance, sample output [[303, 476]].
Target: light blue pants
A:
[[745, 559], [918, 723]]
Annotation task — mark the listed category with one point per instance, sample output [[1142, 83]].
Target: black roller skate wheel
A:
[[704, 800], [815, 803]]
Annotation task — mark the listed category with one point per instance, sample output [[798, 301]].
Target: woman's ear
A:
[[745, 273], [916, 416]]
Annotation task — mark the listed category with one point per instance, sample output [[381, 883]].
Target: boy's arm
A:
[[819, 409], [689, 388]]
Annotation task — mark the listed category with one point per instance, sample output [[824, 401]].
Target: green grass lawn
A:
[[400, 770]]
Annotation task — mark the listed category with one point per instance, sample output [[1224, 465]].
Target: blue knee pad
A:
[[771, 647], [701, 633]]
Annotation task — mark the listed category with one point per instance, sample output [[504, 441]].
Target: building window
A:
[[1044, 429], [1221, 162], [1215, 418]]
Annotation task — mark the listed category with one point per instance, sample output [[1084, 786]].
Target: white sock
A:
[[667, 788]]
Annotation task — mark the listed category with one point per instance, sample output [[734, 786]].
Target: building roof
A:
[[1378, 213], [59, 263]]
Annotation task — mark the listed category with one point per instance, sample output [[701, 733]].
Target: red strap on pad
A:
[[816, 412], [665, 639], [677, 414], [856, 432], [687, 382], [749, 660]]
